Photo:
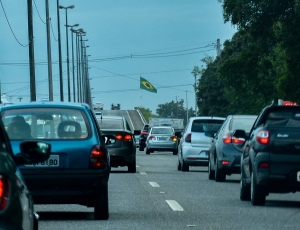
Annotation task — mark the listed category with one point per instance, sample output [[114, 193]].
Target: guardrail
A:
[[141, 115]]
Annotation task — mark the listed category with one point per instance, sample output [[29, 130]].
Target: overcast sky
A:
[[166, 39]]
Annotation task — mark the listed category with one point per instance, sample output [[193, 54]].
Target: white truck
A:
[[98, 106], [176, 123]]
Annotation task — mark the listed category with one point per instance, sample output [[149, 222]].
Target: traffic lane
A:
[[217, 204], [206, 204]]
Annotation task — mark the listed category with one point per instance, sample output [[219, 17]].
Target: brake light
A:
[[264, 165], [263, 137], [152, 138], [188, 138], [98, 157], [4, 192], [144, 132], [225, 162], [173, 138], [126, 137], [228, 139]]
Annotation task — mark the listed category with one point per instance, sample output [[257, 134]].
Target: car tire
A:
[[178, 165], [245, 191], [141, 148], [132, 167], [211, 173], [175, 152], [148, 151], [185, 167], [257, 194], [35, 223], [101, 210], [219, 175]]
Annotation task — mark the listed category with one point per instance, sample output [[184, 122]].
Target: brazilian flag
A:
[[146, 85]]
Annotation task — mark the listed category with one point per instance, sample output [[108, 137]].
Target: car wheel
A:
[[244, 190], [35, 223], [219, 175], [211, 173], [257, 194], [185, 167], [101, 211], [132, 167], [175, 152], [178, 165], [148, 151], [141, 148]]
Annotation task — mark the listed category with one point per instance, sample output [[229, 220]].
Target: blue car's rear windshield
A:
[[46, 123]]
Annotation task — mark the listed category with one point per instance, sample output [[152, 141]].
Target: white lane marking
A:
[[143, 173], [154, 184], [174, 205], [162, 192], [137, 166]]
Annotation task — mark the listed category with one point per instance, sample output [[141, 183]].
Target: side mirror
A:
[[33, 152]]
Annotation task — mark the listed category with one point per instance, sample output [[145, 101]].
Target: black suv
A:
[[143, 137], [270, 161]]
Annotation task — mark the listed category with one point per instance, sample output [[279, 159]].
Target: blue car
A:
[[78, 169]]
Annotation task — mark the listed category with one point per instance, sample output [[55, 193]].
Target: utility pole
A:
[[20, 98], [187, 108], [49, 52], [218, 48], [59, 55], [31, 52]]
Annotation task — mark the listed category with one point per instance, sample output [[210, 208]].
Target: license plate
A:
[[53, 161], [298, 176], [162, 138]]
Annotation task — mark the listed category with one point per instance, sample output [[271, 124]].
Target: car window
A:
[[46, 123], [108, 123], [205, 125], [242, 123], [161, 131]]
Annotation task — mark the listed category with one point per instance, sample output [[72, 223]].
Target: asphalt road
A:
[[158, 196]]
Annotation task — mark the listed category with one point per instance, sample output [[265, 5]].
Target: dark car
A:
[[143, 137], [123, 150], [270, 161], [225, 150], [16, 203], [78, 168]]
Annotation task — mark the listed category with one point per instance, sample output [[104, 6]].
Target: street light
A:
[[73, 65], [68, 71]]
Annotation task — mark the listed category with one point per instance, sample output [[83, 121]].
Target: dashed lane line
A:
[[174, 205], [154, 184]]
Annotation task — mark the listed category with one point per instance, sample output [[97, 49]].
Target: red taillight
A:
[[144, 132], [152, 138], [98, 157], [126, 137], [173, 138], [263, 137], [225, 162], [264, 165], [4, 192], [228, 139], [188, 138]]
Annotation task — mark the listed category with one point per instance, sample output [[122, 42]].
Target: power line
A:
[[38, 12], [11, 28]]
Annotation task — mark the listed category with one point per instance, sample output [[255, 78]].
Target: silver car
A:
[[161, 138], [195, 142]]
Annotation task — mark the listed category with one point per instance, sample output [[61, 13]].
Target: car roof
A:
[[242, 116], [207, 118], [46, 105]]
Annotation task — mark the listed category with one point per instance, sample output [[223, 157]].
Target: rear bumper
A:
[[162, 146], [195, 156], [230, 165], [122, 156], [65, 186]]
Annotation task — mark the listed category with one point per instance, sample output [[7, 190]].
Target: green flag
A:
[[146, 85]]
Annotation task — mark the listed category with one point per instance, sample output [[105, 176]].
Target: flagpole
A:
[[141, 98]]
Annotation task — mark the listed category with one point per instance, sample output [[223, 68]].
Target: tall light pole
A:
[[59, 55], [49, 52], [68, 69], [73, 65]]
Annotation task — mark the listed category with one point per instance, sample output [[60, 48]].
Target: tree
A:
[[147, 113]]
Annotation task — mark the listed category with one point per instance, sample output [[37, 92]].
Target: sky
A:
[[159, 40]]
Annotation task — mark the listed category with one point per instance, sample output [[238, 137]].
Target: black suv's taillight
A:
[[4, 192], [98, 157]]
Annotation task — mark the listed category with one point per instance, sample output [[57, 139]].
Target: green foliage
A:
[[259, 63], [174, 110], [147, 113]]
